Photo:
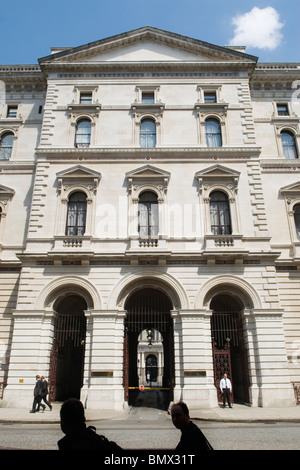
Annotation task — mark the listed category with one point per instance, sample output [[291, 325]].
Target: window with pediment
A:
[[6, 195], [291, 194], [218, 188], [147, 190], [77, 189]]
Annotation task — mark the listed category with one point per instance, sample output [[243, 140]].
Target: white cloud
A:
[[260, 27]]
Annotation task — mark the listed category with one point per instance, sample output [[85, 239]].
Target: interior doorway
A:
[[148, 349], [67, 355], [228, 344]]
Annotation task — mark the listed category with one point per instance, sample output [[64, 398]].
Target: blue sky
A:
[[269, 28]]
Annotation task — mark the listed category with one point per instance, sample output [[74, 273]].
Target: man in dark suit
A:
[[192, 439], [44, 394], [37, 393]]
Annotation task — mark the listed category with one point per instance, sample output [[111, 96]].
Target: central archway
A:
[[67, 355], [148, 322], [229, 351]]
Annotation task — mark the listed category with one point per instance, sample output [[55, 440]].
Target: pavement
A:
[[238, 413]]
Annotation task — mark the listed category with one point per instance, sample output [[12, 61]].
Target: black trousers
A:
[[226, 395], [36, 402], [44, 398]]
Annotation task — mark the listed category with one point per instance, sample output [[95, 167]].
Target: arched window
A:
[[76, 214], [213, 133], [220, 213], [83, 133], [6, 145], [297, 219], [148, 215], [289, 145], [148, 133]]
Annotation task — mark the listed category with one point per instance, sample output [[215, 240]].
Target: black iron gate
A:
[[222, 365], [229, 351], [148, 309], [67, 354]]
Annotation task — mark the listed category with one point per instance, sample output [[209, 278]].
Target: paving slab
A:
[[238, 413]]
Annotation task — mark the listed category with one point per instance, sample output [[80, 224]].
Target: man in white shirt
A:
[[225, 386]]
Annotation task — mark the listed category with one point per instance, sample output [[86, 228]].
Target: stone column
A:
[[30, 355], [194, 375], [103, 373], [269, 376]]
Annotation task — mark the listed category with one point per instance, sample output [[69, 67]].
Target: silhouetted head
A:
[[72, 415]]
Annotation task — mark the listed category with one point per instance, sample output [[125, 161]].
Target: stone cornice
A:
[[175, 153], [155, 67]]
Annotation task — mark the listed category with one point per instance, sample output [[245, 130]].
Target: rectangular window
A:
[[12, 111], [148, 97], [210, 97], [85, 98], [282, 109]]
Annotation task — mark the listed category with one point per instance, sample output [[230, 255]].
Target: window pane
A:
[[148, 134], [210, 97], [282, 110], [6, 145], [148, 215], [148, 97], [213, 133], [83, 134], [76, 214], [143, 220], [85, 98], [12, 111], [219, 214], [289, 145], [297, 219]]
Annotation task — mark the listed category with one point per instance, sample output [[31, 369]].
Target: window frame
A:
[[286, 149], [226, 180], [148, 136], [3, 151], [210, 137], [220, 213], [77, 134], [149, 213], [79, 211], [282, 105], [12, 111], [76, 179]]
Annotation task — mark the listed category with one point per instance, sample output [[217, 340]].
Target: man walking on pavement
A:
[[44, 394], [225, 386], [37, 392]]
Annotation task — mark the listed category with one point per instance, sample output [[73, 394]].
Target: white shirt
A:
[[225, 383]]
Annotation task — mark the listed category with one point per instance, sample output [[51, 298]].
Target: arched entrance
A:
[[229, 352], [148, 330], [67, 355]]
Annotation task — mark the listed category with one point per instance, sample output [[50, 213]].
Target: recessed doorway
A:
[[67, 355], [148, 349]]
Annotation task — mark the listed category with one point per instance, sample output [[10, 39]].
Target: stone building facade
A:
[[150, 223]]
